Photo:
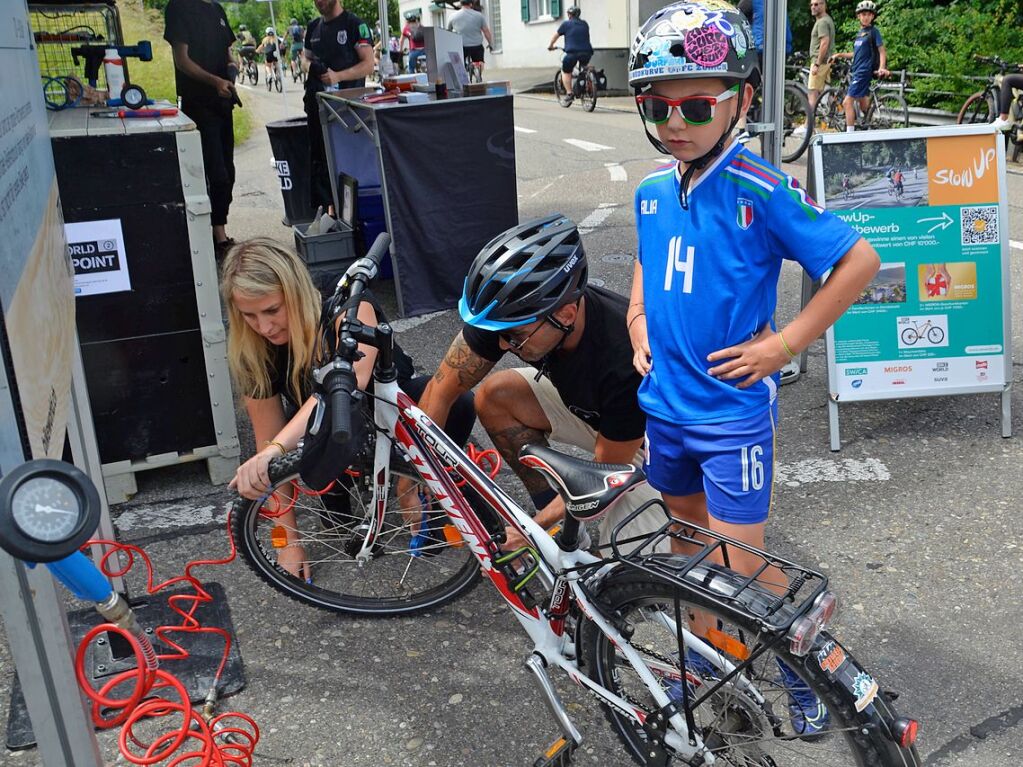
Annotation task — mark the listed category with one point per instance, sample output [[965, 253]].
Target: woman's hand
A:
[[640, 345], [252, 479], [293, 559], [752, 360]]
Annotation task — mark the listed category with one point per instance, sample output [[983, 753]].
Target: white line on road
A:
[[617, 171], [548, 186], [524, 130], [400, 326], [831, 470], [586, 146], [597, 217], [1016, 245], [153, 519]]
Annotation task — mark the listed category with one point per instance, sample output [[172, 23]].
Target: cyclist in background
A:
[[471, 24], [1005, 96], [578, 49], [413, 41], [268, 46], [868, 54], [897, 180], [296, 33], [246, 46]]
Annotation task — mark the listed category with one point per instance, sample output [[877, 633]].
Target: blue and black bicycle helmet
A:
[[524, 274]]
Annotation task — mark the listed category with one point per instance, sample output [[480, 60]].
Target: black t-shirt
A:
[[203, 27], [334, 44], [596, 380]]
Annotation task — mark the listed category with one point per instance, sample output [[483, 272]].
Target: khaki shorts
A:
[[570, 430], [819, 81]]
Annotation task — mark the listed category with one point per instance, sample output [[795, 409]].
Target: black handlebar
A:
[[339, 380]]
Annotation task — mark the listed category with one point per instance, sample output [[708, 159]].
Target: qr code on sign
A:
[[980, 225]]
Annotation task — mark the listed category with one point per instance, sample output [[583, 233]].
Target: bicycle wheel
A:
[[935, 335], [740, 726], [563, 96], [797, 122], [330, 526], [589, 91], [278, 82], [979, 108], [832, 114], [889, 110], [909, 336]]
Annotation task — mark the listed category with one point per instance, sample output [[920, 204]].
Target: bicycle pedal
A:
[[558, 755]]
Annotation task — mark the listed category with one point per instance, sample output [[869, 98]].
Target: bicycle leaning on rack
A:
[[888, 108], [619, 626], [797, 120], [584, 86], [982, 106]]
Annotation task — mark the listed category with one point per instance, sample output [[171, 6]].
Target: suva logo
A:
[[855, 371], [857, 383]]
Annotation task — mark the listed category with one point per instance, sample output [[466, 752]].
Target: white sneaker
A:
[[1001, 125], [799, 130]]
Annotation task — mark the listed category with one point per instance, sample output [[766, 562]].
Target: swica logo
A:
[[898, 369], [855, 371]]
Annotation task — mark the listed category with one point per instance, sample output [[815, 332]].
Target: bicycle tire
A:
[[564, 97], [278, 83], [795, 114], [741, 730], [889, 110], [978, 108], [326, 530], [589, 94], [909, 336], [833, 116], [935, 335]]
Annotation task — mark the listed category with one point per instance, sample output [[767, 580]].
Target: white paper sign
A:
[[97, 255]]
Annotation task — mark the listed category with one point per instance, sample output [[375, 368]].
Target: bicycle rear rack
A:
[[773, 606]]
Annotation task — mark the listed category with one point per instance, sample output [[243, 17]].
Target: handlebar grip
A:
[[340, 415], [379, 248]]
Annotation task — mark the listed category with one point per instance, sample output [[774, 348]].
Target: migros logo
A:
[[898, 369]]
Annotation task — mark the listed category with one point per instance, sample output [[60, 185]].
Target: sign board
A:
[[936, 318]]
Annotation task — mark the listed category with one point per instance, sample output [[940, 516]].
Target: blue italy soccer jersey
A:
[[710, 276]]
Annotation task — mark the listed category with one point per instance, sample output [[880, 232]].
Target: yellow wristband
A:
[[278, 445], [785, 346]]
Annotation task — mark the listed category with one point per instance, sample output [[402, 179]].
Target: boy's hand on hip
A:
[[751, 360]]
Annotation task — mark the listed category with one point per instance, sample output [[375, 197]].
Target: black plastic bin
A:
[[289, 141]]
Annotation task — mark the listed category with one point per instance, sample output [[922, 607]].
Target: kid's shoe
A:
[[809, 717], [696, 665], [1001, 125]]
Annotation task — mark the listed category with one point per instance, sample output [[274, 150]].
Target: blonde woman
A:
[[273, 321]]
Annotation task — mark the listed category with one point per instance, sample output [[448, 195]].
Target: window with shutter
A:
[[555, 8], [525, 10]]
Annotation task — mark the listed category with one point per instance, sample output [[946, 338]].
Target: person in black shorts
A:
[[339, 49], [273, 312], [204, 73], [578, 49], [527, 293]]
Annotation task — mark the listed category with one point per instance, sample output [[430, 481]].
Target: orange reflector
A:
[[452, 536], [279, 537], [905, 731], [558, 744], [727, 644]]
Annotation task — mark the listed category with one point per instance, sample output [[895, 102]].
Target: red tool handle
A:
[[171, 112]]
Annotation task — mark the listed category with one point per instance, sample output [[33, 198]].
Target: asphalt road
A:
[[875, 193], [915, 520]]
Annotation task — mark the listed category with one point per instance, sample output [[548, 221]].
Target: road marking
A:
[[524, 130], [548, 186], [617, 171], [831, 470], [586, 146], [167, 517], [597, 217], [1016, 245], [407, 323]]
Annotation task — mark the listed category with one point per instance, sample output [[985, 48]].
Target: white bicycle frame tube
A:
[[546, 642]]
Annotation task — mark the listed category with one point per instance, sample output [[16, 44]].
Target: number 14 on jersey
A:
[[677, 264]]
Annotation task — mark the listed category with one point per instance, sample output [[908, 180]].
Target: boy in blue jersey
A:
[[868, 51], [713, 228]]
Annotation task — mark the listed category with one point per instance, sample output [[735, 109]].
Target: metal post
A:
[[774, 79], [385, 40]]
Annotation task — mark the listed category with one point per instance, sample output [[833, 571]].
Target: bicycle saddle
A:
[[588, 488]]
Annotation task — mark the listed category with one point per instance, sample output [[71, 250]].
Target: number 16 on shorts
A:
[[752, 468]]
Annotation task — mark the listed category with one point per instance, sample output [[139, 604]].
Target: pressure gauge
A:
[[133, 97], [48, 509]]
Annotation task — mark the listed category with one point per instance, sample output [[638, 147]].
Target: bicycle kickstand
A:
[[558, 755]]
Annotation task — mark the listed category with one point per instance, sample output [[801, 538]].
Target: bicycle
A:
[[934, 334], [295, 65], [273, 78], [982, 106], [617, 625], [584, 86], [251, 69], [887, 109], [474, 69], [797, 121]]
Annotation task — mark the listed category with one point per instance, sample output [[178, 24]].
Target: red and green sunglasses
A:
[[695, 110]]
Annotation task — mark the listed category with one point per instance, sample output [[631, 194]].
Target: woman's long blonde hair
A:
[[256, 268]]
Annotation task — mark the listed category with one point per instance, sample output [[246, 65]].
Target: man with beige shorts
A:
[[527, 293], [822, 40]]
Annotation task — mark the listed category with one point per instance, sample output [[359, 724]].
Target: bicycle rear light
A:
[[805, 630], [905, 730]]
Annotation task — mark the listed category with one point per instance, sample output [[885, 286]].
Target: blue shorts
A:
[[732, 463], [859, 87], [569, 61]]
